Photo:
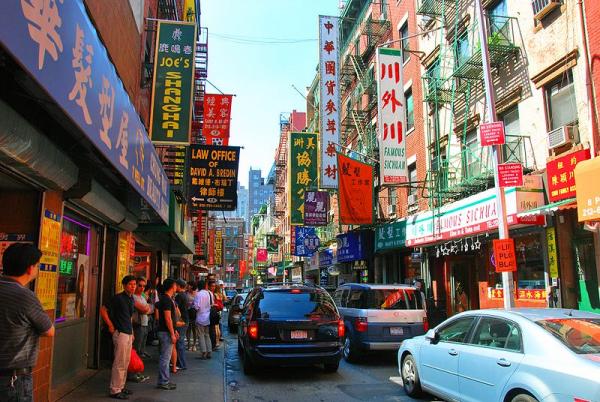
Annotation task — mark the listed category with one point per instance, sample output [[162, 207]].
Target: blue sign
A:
[[325, 257], [349, 247], [56, 42], [307, 242]]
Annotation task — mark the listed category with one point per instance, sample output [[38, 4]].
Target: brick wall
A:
[[592, 11]]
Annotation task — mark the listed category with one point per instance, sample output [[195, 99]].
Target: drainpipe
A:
[[593, 120]]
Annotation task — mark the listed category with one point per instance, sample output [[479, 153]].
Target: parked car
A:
[[235, 309], [516, 355], [290, 325], [379, 317]]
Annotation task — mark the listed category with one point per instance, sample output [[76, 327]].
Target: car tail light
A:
[[425, 324], [295, 291], [253, 330], [341, 329], [361, 324], [580, 400]]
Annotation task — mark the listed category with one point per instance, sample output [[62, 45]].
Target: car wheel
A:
[[247, 365], [523, 398], [410, 377], [351, 355], [331, 367]]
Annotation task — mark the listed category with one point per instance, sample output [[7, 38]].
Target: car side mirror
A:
[[432, 336]]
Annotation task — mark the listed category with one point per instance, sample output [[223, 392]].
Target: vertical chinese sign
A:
[[171, 109], [355, 192], [123, 259], [303, 163], [217, 115], [552, 252], [251, 251], [330, 99], [46, 286], [316, 208], [218, 247], [391, 117], [211, 247]]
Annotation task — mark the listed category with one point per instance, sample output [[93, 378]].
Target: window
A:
[[412, 179], [301, 305], [410, 110], [560, 102], [497, 333], [457, 330], [394, 299], [463, 50], [405, 46], [513, 150], [581, 335], [472, 155], [392, 198], [498, 19]]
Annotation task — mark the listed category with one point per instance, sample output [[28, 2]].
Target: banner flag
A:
[[355, 191], [217, 117]]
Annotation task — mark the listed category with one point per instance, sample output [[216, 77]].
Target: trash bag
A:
[[136, 365]]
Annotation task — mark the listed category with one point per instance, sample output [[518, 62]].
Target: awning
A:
[[550, 209], [588, 191]]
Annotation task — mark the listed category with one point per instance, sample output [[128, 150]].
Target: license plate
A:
[[299, 334], [396, 331]]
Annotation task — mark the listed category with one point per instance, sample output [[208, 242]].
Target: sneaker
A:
[[119, 395], [168, 386], [126, 391]]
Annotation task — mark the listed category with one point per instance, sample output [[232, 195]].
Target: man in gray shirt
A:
[[22, 322]]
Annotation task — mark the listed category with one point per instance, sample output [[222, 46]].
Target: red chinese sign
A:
[[522, 294], [510, 175], [200, 233], [261, 255], [355, 191], [561, 175], [505, 256], [217, 115], [243, 268], [211, 247], [492, 134]]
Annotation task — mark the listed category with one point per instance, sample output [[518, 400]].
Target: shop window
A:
[[74, 270], [410, 110], [561, 105]]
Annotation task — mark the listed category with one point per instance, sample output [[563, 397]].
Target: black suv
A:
[[290, 325]]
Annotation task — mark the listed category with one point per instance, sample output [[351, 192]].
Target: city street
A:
[[374, 379]]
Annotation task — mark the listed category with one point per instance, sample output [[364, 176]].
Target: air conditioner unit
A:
[[563, 135], [541, 8], [391, 209], [412, 199]]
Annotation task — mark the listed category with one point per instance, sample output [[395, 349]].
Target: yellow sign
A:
[[189, 11], [219, 248], [122, 260], [552, 254], [46, 284], [588, 192]]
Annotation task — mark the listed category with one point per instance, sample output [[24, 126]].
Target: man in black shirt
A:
[[182, 302], [166, 333], [22, 322], [117, 316]]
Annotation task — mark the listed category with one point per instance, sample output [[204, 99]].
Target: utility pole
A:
[[507, 277]]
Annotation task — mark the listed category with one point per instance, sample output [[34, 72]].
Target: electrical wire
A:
[[258, 40]]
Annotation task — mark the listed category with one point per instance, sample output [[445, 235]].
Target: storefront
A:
[[457, 246], [394, 263], [354, 257]]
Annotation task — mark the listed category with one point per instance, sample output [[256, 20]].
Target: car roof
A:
[[535, 314], [367, 286], [290, 286]]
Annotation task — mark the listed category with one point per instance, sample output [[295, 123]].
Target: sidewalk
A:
[[203, 380]]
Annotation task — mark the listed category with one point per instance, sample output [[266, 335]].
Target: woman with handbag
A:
[[219, 298]]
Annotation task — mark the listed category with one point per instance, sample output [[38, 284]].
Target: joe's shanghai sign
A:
[[171, 116]]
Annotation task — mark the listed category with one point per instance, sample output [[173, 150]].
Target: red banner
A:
[[243, 268], [217, 115], [561, 175], [200, 233], [356, 191], [261, 255], [211, 247]]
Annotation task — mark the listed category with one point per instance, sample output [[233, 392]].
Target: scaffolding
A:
[[459, 167]]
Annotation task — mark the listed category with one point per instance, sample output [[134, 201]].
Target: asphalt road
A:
[[374, 379]]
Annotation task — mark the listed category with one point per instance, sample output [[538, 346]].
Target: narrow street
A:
[[374, 379]]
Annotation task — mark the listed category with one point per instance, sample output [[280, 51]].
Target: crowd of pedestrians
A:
[[175, 315]]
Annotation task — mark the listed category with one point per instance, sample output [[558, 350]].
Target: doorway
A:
[[460, 287]]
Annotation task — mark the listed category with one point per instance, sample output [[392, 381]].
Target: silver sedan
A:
[[517, 355]]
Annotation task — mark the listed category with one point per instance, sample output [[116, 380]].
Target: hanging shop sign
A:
[[123, 259], [588, 191], [561, 175], [218, 247], [316, 208], [355, 191], [350, 247], [390, 236], [303, 162], [306, 241], [272, 241], [46, 284], [325, 257], [491, 133], [211, 247], [505, 256], [217, 117], [476, 214], [261, 255], [391, 117], [189, 10], [172, 85], [58, 40], [552, 252], [213, 175], [329, 73], [250, 250], [173, 161], [243, 268], [510, 175]]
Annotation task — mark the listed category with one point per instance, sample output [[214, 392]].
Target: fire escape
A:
[[200, 75], [281, 167]]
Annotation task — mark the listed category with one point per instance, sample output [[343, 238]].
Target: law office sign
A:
[[171, 109]]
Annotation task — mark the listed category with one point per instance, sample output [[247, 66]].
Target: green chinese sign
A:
[[303, 163], [272, 243], [390, 236], [171, 111]]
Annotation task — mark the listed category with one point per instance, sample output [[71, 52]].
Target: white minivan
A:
[[379, 317]]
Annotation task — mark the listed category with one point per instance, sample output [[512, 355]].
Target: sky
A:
[[261, 74]]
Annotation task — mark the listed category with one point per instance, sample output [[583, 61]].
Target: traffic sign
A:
[[510, 175], [505, 255], [491, 133]]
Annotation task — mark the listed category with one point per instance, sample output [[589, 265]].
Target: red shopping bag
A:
[[136, 365]]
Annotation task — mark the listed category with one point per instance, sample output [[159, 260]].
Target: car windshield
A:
[[581, 335], [303, 305], [394, 299]]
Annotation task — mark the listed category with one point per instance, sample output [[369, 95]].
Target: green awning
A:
[[550, 209]]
